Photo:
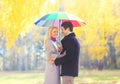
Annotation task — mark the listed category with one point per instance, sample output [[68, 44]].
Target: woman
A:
[[52, 72]]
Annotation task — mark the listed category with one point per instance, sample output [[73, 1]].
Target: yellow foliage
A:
[[117, 41], [18, 16], [98, 52]]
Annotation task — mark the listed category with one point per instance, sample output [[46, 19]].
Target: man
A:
[[69, 62]]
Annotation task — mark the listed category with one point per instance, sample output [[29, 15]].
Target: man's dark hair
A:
[[67, 24]]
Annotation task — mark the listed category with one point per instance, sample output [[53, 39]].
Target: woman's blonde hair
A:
[[48, 34]]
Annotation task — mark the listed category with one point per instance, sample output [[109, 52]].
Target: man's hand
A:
[[51, 61]]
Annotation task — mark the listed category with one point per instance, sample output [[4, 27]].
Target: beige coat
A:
[[52, 72]]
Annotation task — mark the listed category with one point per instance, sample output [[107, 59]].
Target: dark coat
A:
[[69, 63]]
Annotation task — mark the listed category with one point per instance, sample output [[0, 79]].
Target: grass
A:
[[85, 77]]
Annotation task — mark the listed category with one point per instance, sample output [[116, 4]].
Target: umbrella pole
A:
[[59, 38]]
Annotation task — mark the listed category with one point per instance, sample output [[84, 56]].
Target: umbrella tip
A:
[[61, 8]]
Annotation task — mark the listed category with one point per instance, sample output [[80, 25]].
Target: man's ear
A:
[[68, 28]]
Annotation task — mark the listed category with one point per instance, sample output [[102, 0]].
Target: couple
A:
[[68, 58]]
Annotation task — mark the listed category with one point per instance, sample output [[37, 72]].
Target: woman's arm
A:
[[62, 55], [50, 51]]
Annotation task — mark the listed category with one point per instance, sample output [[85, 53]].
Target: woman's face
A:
[[54, 33]]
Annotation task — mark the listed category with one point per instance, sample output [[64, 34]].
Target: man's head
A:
[[67, 27]]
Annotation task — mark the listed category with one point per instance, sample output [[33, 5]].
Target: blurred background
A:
[[21, 42]]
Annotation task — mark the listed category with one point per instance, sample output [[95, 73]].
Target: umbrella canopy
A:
[[56, 18]]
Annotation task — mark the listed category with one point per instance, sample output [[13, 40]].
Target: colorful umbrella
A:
[[56, 18]]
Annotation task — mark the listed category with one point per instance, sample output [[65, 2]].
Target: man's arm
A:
[[69, 55]]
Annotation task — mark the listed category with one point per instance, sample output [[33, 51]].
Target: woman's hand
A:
[[51, 61], [60, 48]]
